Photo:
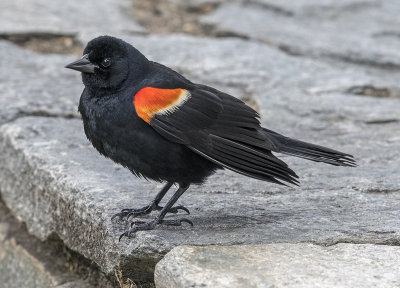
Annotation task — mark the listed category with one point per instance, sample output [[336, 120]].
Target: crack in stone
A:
[[382, 121], [358, 6], [267, 6], [292, 51], [394, 34], [391, 242], [46, 113], [370, 90], [41, 113], [382, 191], [362, 62], [43, 42], [165, 17], [220, 33]]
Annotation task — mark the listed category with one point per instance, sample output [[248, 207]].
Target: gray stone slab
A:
[[27, 262], [280, 265], [58, 184], [354, 31], [66, 17]]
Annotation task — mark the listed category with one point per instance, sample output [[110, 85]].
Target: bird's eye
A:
[[106, 62]]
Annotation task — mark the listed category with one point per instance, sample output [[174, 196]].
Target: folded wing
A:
[[219, 127]]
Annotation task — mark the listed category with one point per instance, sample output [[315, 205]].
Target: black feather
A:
[[309, 151]]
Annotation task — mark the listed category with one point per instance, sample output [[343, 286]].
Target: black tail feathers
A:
[[309, 151]]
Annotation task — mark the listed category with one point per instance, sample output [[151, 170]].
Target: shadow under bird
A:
[[161, 126]]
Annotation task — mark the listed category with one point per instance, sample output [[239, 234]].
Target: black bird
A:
[[161, 126]]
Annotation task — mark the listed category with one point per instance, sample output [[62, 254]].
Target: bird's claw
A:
[[128, 213], [176, 222], [120, 215], [139, 226], [142, 226], [177, 208], [137, 223]]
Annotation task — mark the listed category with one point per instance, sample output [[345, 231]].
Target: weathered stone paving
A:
[[280, 265], [355, 31], [341, 96]]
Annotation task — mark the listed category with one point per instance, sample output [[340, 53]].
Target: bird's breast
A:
[[119, 133]]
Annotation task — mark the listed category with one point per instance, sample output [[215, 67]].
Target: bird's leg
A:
[[159, 219], [152, 206]]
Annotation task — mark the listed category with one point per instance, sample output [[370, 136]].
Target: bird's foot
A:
[[147, 210], [143, 226]]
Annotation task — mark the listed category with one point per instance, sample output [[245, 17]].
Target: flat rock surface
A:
[[66, 17], [280, 265], [350, 30], [58, 184], [36, 84]]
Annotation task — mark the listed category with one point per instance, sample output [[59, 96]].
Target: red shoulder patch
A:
[[149, 101]]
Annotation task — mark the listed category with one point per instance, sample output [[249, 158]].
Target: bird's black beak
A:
[[83, 64]]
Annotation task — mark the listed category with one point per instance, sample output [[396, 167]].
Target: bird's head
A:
[[108, 62]]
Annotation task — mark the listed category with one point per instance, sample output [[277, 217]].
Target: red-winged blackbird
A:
[[159, 125]]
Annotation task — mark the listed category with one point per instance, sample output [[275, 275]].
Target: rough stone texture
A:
[[57, 183], [356, 31], [36, 84], [280, 265], [26, 262], [66, 17]]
